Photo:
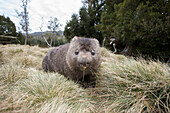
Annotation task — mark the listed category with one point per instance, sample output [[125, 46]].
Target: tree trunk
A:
[[26, 22], [46, 42], [24, 19], [51, 42], [26, 38], [127, 50], [104, 41]]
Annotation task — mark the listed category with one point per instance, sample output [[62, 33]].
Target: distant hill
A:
[[39, 34]]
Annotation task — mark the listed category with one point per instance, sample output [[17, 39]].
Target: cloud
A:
[[7, 8], [62, 9]]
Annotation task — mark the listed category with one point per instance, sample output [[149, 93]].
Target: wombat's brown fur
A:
[[77, 60]]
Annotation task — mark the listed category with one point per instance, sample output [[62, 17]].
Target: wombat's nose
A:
[[84, 63]]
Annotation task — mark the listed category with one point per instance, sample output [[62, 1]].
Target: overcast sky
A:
[[62, 9]]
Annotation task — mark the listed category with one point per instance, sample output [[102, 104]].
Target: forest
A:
[[140, 27]]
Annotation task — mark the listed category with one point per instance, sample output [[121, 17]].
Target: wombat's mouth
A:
[[84, 66]]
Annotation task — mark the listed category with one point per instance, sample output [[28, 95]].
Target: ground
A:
[[123, 85]]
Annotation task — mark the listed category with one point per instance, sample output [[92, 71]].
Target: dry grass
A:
[[123, 85]]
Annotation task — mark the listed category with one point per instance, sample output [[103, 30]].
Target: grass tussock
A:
[[44, 92], [124, 85], [134, 85], [11, 73]]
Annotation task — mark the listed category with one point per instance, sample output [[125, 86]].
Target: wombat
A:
[[78, 60]]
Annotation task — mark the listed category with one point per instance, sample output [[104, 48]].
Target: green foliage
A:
[[41, 43], [142, 25], [72, 28], [21, 38], [8, 34], [7, 27], [53, 24], [86, 23]]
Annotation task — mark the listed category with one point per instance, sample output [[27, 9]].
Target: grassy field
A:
[[124, 85]]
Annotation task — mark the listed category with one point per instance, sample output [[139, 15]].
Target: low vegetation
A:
[[123, 85]]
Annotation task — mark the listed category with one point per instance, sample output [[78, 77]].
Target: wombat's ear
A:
[[75, 38], [96, 41]]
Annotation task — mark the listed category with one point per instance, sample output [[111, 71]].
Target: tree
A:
[[108, 21], [53, 25], [24, 18], [8, 32], [72, 28], [86, 23], [7, 27], [142, 26], [41, 27], [125, 25], [95, 10], [78, 25], [153, 28]]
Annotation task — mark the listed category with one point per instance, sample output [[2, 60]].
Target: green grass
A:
[[124, 85]]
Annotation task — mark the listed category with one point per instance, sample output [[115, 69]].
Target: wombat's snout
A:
[[84, 62]]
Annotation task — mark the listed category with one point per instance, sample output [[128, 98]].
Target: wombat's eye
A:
[[76, 52], [92, 52]]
